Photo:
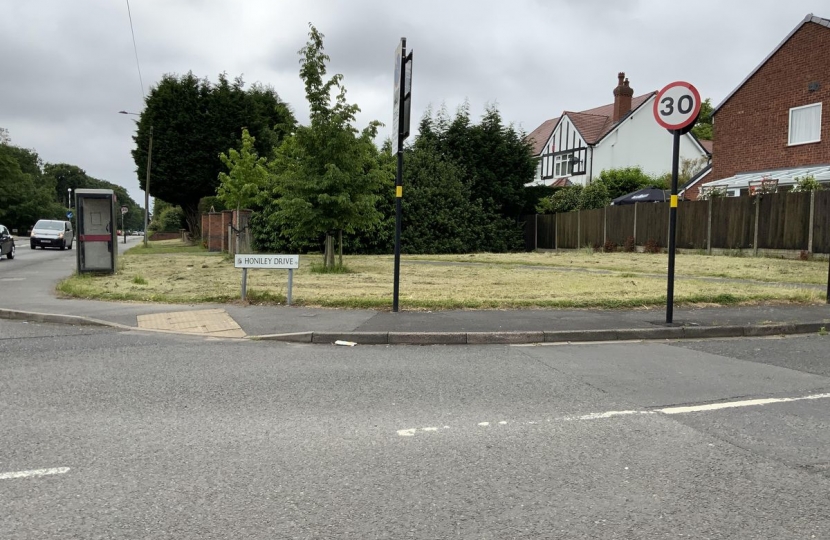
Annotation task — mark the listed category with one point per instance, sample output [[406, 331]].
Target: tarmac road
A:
[[107, 434]]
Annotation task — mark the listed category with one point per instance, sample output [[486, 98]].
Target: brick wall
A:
[[214, 231], [751, 129]]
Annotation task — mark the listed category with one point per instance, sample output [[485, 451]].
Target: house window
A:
[[563, 165], [805, 124]]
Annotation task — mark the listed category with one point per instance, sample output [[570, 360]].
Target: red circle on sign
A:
[[668, 105]]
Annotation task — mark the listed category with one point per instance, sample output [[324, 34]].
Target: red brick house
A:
[[778, 119]]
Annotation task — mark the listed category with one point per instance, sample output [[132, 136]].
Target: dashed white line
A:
[[665, 410], [33, 473]]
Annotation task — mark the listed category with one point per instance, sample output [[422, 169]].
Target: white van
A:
[[52, 233]]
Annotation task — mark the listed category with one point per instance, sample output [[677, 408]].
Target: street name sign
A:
[[275, 262]]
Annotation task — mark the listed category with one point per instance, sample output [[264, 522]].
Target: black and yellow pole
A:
[[672, 226], [399, 176]]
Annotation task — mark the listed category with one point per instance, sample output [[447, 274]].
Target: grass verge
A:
[[505, 283]]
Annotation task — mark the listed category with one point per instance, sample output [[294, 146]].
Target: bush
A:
[[610, 246], [630, 246], [651, 246], [804, 255], [597, 247]]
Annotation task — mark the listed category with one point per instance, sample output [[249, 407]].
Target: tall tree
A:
[[327, 174], [25, 195], [247, 174], [193, 121], [63, 176], [703, 127]]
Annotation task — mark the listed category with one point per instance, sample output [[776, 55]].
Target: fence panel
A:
[[529, 227], [620, 223], [569, 230], [821, 223], [546, 233], [692, 224], [653, 223], [733, 222], [783, 220], [593, 223]]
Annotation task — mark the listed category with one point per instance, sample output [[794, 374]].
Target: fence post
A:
[[604, 226], [757, 214], [536, 232], [709, 229], [635, 223], [811, 221], [556, 232]]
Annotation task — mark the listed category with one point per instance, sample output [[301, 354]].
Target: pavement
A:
[[28, 285]]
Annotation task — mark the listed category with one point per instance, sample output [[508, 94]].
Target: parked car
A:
[[6, 243], [52, 233]]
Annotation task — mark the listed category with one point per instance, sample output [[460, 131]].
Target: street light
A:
[[147, 183], [70, 198]]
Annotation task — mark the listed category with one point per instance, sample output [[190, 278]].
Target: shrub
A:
[[597, 247], [804, 255], [630, 246], [652, 246], [610, 246]]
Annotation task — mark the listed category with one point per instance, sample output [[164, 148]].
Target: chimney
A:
[[622, 97]]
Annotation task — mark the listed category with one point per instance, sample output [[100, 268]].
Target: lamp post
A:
[[69, 205], [147, 182]]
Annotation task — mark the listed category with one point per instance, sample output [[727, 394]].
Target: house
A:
[[577, 146], [775, 126]]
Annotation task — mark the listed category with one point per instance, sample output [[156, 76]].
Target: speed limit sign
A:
[[677, 105]]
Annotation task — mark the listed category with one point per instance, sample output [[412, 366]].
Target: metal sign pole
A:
[[244, 283], [290, 284], [672, 226], [398, 177]]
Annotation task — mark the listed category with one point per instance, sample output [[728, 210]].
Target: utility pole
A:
[[147, 188]]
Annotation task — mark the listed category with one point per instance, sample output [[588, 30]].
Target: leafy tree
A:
[[327, 174], [63, 176], [4, 136], [247, 175], [192, 122], [703, 127], [25, 195]]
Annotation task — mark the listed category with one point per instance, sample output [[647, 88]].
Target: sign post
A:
[[402, 103], [124, 210], [676, 108], [278, 262]]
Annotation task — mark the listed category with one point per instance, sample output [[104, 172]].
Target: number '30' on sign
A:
[[677, 105]]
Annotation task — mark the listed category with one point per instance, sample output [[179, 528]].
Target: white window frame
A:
[[790, 130], [563, 165]]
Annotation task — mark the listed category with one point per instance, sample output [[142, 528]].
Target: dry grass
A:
[[500, 283], [686, 264]]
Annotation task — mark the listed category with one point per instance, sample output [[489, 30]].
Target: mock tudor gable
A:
[[578, 146]]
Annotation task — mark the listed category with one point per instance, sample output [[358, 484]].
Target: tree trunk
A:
[[193, 219], [340, 246], [328, 256]]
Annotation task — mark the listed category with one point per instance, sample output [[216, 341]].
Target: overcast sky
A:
[[68, 66]]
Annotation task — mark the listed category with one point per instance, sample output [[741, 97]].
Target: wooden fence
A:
[[787, 221]]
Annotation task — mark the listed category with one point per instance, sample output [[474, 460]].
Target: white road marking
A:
[[665, 410], [603, 415], [733, 404], [33, 473]]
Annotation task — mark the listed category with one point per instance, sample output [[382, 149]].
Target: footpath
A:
[[28, 294]]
